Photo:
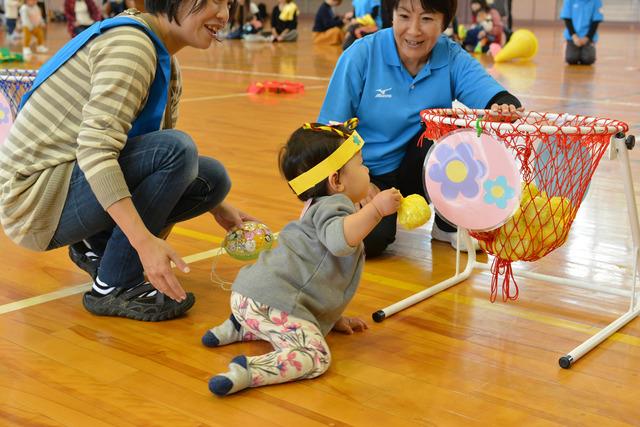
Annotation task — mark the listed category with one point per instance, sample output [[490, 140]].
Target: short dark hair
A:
[[483, 3], [170, 8], [305, 149], [447, 7]]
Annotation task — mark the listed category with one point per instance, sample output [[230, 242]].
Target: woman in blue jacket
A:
[[386, 79]]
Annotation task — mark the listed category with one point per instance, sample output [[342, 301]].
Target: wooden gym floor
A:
[[455, 359]]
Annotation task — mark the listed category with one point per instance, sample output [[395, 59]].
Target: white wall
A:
[[549, 10]]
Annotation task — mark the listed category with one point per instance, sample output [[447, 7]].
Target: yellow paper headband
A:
[[334, 162]]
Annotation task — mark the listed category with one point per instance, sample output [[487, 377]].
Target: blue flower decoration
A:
[[457, 171], [498, 192], [5, 114]]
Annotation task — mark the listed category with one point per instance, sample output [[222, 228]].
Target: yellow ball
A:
[[529, 191], [414, 211]]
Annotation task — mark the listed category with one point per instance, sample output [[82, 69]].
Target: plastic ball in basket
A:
[[247, 241], [473, 181]]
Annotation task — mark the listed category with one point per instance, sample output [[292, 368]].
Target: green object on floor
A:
[[7, 56]]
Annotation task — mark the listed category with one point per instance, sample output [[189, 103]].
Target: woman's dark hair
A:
[[170, 7], [305, 149], [447, 7]]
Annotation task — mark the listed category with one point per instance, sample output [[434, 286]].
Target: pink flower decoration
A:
[[280, 320], [257, 380], [291, 359], [248, 336], [253, 324], [292, 327]]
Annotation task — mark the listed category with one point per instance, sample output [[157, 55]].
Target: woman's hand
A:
[[228, 216], [349, 325], [156, 256], [504, 113], [506, 109]]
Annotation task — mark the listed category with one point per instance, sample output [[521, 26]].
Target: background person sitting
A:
[[327, 26], [581, 18], [480, 35], [284, 21], [367, 20]]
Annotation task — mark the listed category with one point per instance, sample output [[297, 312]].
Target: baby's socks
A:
[[226, 333], [238, 378]]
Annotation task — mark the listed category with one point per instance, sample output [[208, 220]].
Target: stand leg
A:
[[380, 315], [575, 354], [634, 310], [627, 180]]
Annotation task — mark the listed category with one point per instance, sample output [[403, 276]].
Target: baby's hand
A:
[[387, 202], [349, 325]]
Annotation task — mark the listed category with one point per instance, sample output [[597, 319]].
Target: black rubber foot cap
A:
[[565, 362], [378, 316]]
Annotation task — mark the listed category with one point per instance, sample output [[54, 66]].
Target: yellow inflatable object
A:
[[538, 225], [366, 20], [523, 44], [414, 211]]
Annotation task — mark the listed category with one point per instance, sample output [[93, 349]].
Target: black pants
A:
[[585, 55], [409, 179]]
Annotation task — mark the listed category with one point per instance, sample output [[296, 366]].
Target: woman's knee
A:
[[214, 172], [182, 150]]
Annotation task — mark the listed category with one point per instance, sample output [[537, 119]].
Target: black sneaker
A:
[[78, 254], [130, 304]]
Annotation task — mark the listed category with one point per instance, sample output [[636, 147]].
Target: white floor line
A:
[[73, 290], [294, 76], [254, 73], [29, 302], [235, 95]]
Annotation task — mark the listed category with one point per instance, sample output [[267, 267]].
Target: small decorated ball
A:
[[247, 241], [414, 211]]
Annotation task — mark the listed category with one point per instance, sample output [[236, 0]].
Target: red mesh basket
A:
[[557, 154]]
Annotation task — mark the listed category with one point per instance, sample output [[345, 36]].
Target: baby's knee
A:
[[322, 361]]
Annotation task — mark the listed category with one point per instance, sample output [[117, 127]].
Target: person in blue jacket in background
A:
[[581, 18]]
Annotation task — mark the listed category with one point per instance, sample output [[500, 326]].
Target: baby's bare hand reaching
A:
[[387, 202], [349, 325]]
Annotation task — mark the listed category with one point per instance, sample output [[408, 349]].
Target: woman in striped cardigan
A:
[[93, 159]]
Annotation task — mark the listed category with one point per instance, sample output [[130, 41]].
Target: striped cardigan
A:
[[82, 113]]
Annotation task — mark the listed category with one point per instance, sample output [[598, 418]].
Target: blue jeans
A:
[[169, 182]]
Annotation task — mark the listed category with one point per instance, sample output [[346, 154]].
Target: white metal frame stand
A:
[[620, 145]]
